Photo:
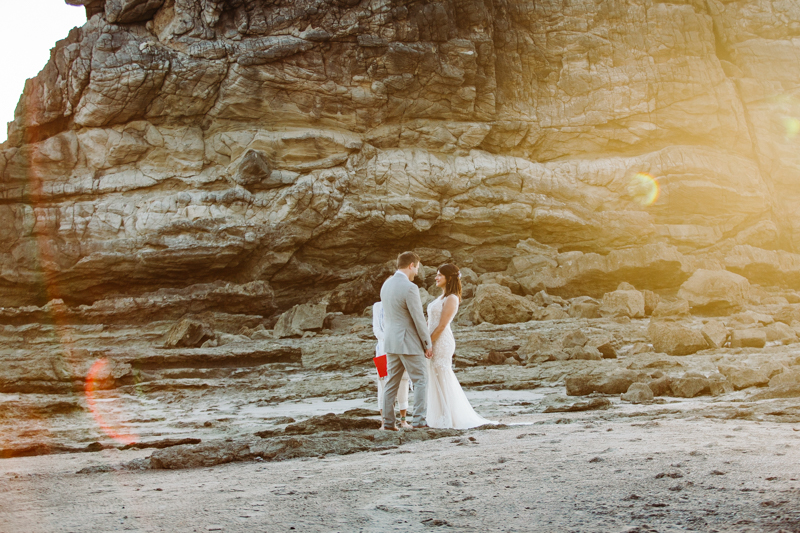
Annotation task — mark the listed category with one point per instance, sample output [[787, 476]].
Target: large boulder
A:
[[575, 339], [628, 303], [715, 292], [742, 377], [784, 379], [748, 338], [689, 385], [780, 332], [638, 393], [615, 382], [675, 338], [301, 318], [538, 349], [584, 307], [660, 386], [496, 304]]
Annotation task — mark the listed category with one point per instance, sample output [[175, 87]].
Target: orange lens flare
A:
[[102, 407], [643, 188]]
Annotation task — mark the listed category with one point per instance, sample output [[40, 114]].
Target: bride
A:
[[448, 406]]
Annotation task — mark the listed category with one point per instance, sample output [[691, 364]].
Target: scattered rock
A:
[[719, 385], [188, 333], [301, 318], [637, 348], [715, 333], [748, 338], [676, 309], [496, 304], [585, 353], [496, 357], [675, 338], [576, 339], [536, 345], [584, 307], [715, 292], [743, 377], [553, 312], [780, 332], [593, 404], [330, 422], [543, 299], [629, 303], [607, 349], [615, 382], [660, 386], [161, 444], [748, 318], [638, 393], [788, 314], [689, 385], [651, 301], [789, 378]]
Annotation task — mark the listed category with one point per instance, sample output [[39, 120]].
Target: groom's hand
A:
[[429, 353]]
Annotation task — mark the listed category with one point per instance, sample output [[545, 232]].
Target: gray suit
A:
[[405, 340]]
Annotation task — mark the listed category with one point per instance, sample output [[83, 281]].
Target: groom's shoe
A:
[[421, 426], [384, 428]]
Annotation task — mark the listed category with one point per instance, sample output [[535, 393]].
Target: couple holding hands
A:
[[420, 351]]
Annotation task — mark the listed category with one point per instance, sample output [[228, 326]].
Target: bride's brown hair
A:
[[452, 283]]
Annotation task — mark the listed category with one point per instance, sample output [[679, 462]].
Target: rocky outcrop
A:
[[169, 144], [495, 304], [715, 291], [255, 167]]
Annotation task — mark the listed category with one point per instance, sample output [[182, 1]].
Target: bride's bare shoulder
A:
[[452, 299]]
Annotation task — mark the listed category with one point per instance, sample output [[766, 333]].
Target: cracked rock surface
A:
[[303, 143]]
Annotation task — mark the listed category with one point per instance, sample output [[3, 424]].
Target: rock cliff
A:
[[304, 143]]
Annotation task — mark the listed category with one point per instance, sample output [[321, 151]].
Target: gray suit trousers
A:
[[417, 368]]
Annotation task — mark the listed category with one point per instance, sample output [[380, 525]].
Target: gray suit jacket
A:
[[406, 331]]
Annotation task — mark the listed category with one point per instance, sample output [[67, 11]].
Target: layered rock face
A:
[[304, 143]]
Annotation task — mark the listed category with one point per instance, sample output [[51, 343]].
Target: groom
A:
[[406, 340]]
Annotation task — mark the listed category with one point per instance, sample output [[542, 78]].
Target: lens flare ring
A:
[[643, 188]]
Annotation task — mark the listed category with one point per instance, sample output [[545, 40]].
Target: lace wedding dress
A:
[[448, 406]]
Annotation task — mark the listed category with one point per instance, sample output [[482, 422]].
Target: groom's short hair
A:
[[406, 259]]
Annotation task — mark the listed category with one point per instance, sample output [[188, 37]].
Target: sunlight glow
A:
[[101, 407], [643, 188]]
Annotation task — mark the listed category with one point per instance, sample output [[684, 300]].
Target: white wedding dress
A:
[[448, 406]]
